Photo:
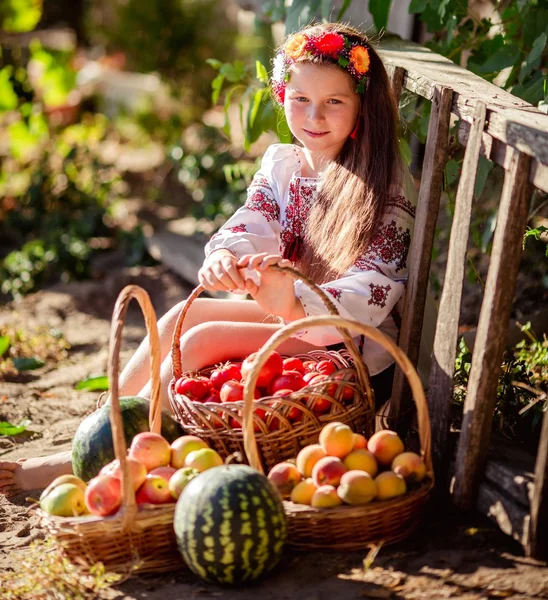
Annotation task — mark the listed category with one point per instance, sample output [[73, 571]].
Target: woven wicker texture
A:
[[348, 527], [278, 436], [135, 539]]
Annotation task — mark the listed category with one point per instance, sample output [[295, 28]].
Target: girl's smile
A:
[[321, 108]]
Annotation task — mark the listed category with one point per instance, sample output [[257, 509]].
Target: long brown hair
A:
[[355, 186]]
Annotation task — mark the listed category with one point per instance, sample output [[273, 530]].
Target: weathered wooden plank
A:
[[511, 517], [492, 332], [440, 389], [518, 483], [397, 76], [501, 154], [423, 238], [510, 119], [538, 542]]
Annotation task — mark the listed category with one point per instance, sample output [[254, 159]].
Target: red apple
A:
[[137, 471], [165, 472], [293, 364], [271, 369], [288, 380], [150, 449], [155, 490], [103, 495]]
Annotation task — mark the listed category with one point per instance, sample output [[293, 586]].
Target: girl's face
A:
[[321, 107]]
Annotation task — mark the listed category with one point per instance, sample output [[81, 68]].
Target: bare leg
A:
[[199, 349]]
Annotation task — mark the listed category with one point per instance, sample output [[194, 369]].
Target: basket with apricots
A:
[[346, 491]]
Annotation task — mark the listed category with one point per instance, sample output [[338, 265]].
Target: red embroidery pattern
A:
[[403, 204], [241, 228], [301, 197], [262, 200], [379, 294], [390, 245], [334, 292]]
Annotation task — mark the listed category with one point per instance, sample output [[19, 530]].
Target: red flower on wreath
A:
[[329, 43]]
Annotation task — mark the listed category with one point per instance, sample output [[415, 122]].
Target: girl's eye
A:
[[301, 99], [334, 101]]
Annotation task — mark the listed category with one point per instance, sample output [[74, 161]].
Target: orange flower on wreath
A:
[[359, 59], [295, 47]]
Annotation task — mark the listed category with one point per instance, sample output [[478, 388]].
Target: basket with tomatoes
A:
[[295, 396]]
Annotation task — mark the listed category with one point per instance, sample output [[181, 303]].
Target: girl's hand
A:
[[275, 294], [220, 273]]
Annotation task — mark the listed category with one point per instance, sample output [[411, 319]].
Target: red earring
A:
[[354, 133]]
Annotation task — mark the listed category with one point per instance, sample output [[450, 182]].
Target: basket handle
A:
[[155, 416], [361, 368], [250, 443]]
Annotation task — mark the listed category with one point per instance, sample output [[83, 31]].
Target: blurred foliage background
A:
[[109, 106]]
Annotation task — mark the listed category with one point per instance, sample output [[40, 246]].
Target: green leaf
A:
[[234, 72], [262, 73], [4, 344], [489, 231], [9, 429], [532, 60], [8, 98], [379, 10], [343, 9], [213, 62], [485, 166], [506, 56], [20, 15], [417, 6], [93, 384], [216, 86], [27, 364], [452, 170], [300, 13]]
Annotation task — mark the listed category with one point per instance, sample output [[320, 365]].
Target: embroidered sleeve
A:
[[370, 289]]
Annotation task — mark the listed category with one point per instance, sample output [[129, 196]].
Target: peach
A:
[[390, 485], [302, 493], [357, 487], [337, 439], [203, 459], [410, 466], [182, 446], [360, 441], [151, 449], [328, 471], [285, 476], [325, 497], [385, 445], [361, 460], [308, 457]]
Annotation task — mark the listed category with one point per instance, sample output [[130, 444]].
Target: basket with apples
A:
[[123, 516], [294, 397], [343, 491]]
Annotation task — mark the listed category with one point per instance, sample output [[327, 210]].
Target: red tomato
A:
[[288, 380], [225, 373], [234, 424], [213, 397], [348, 391], [195, 388], [309, 365], [293, 364], [326, 367], [293, 413], [271, 369], [321, 405], [309, 375], [232, 391]]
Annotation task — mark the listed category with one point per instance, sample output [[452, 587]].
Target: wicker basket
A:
[[135, 539], [278, 436], [348, 527]]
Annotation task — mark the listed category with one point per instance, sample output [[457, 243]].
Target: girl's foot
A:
[[33, 473]]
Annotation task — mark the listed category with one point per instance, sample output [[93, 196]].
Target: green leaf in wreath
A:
[[9, 429], [4, 344], [93, 384], [27, 364]]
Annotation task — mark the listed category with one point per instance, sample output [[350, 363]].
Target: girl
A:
[[333, 205]]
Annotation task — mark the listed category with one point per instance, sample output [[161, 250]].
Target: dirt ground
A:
[[459, 556]]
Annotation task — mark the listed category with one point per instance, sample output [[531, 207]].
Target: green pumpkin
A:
[[92, 445], [230, 524]]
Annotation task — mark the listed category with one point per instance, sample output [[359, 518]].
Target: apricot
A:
[[360, 441], [328, 471], [390, 485], [325, 497], [337, 439], [302, 493], [203, 459], [285, 476], [308, 457], [361, 460], [410, 466], [385, 445], [357, 487]]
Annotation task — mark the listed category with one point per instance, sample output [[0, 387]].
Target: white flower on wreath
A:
[[278, 72]]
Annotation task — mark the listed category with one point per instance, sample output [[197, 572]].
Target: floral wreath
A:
[[351, 56]]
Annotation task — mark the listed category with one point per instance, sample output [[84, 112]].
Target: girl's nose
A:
[[315, 113]]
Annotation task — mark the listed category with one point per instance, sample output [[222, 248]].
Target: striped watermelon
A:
[[230, 524]]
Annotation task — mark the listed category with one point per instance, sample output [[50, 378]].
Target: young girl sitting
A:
[[333, 205]]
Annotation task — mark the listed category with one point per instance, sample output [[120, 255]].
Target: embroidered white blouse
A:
[[275, 213]]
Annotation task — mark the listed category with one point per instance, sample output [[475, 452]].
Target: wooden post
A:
[[440, 389], [423, 239], [492, 332], [538, 524]]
